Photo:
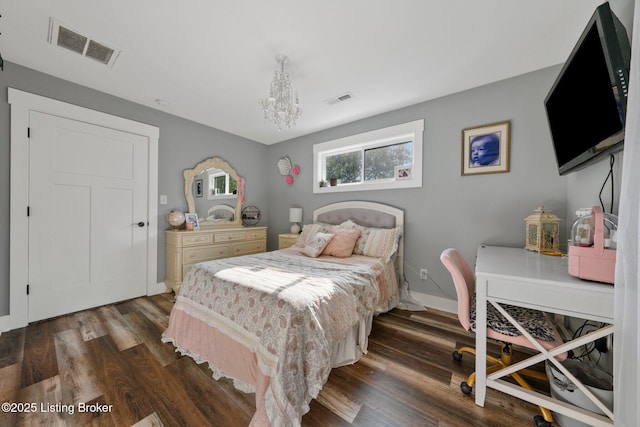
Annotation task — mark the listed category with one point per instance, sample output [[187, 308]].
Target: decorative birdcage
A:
[[542, 231]]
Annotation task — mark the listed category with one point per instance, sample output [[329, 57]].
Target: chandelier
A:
[[282, 106]]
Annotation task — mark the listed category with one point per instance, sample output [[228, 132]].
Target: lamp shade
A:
[[295, 215]]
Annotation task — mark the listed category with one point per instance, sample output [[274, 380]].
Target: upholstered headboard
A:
[[364, 217], [367, 214]]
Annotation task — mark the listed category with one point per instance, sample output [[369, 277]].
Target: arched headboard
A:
[[367, 214]]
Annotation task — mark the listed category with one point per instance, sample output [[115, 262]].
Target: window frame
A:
[[210, 190], [391, 135]]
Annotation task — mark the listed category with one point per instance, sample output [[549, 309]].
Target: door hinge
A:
[[27, 289], [28, 132], [28, 210]]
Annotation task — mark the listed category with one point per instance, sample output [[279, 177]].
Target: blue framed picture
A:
[[199, 189], [485, 149]]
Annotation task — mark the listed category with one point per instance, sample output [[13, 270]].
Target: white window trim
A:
[[226, 194], [413, 130]]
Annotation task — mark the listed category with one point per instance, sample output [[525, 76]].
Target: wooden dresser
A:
[[185, 248]]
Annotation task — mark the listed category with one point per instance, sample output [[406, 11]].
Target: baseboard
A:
[[158, 288], [438, 303], [4, 323]]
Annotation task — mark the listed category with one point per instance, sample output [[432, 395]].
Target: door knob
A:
[[140, 224]]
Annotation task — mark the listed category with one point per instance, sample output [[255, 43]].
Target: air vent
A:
[[71, 40], [61, 35], [340, 98]]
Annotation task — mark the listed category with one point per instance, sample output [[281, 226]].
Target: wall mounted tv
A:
[[587, 104]]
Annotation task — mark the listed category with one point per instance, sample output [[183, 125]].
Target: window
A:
[[221, 185], [381, 159]]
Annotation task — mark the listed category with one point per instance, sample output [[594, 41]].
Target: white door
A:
[[87, 215]]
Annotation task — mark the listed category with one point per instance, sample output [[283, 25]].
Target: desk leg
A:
[[481, 341]]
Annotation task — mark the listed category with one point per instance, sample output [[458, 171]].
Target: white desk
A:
[[518, 277]]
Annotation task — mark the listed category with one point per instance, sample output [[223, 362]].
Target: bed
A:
[[277, 322]]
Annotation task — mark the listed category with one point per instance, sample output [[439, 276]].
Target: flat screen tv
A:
[[587, 104]]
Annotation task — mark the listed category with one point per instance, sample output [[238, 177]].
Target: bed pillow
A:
[[343, 242], [382, 243], [317, 244], [375, 242], [308, 231]]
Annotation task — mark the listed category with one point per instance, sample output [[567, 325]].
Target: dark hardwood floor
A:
[[111, 360]]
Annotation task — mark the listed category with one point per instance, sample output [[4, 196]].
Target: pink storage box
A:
[[593, 262]]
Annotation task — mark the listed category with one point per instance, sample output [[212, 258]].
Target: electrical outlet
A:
[[163, 199], [423, 274]]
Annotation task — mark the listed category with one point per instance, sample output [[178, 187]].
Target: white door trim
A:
[[21, 104]]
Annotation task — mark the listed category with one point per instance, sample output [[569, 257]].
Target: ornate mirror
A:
[[214, 191]]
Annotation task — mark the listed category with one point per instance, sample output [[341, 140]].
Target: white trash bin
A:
[[597, 381]]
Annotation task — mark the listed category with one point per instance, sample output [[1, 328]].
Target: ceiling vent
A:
[[63, 36], [340, 98]]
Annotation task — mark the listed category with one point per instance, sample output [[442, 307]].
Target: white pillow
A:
[[317, 244], [308, 231]]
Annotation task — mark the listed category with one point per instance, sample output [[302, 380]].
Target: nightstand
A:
[[286, 240]]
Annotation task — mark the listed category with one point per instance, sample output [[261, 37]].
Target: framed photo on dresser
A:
[[191, 221]]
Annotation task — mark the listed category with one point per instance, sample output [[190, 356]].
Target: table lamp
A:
[[295, 216]]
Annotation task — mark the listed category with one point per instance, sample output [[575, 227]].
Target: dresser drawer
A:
[[245, 248], [228, 236], [197, 239], [197, 254], [287, 240], [256, 234]]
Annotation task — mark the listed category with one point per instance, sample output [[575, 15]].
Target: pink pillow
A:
[[317, 244], [343, 242]]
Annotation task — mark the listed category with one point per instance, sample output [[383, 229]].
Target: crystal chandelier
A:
[[282, 106]]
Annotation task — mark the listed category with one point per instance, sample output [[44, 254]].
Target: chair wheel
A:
[[466, 389], [457, 356], [541, 422]]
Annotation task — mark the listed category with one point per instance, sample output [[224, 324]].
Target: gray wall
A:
[[182, 144], [449, 210]]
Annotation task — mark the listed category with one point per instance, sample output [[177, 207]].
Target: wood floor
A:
[[111, 360]]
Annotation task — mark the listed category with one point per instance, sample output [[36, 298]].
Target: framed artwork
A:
[[191, 221], [485, 149], [403, 172], [199, 190]]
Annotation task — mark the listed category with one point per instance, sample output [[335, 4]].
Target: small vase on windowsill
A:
[[333, 181]]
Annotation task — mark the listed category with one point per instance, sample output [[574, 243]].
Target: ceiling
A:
[[211, 60]]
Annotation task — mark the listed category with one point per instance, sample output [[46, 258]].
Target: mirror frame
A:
[[217, 163]]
